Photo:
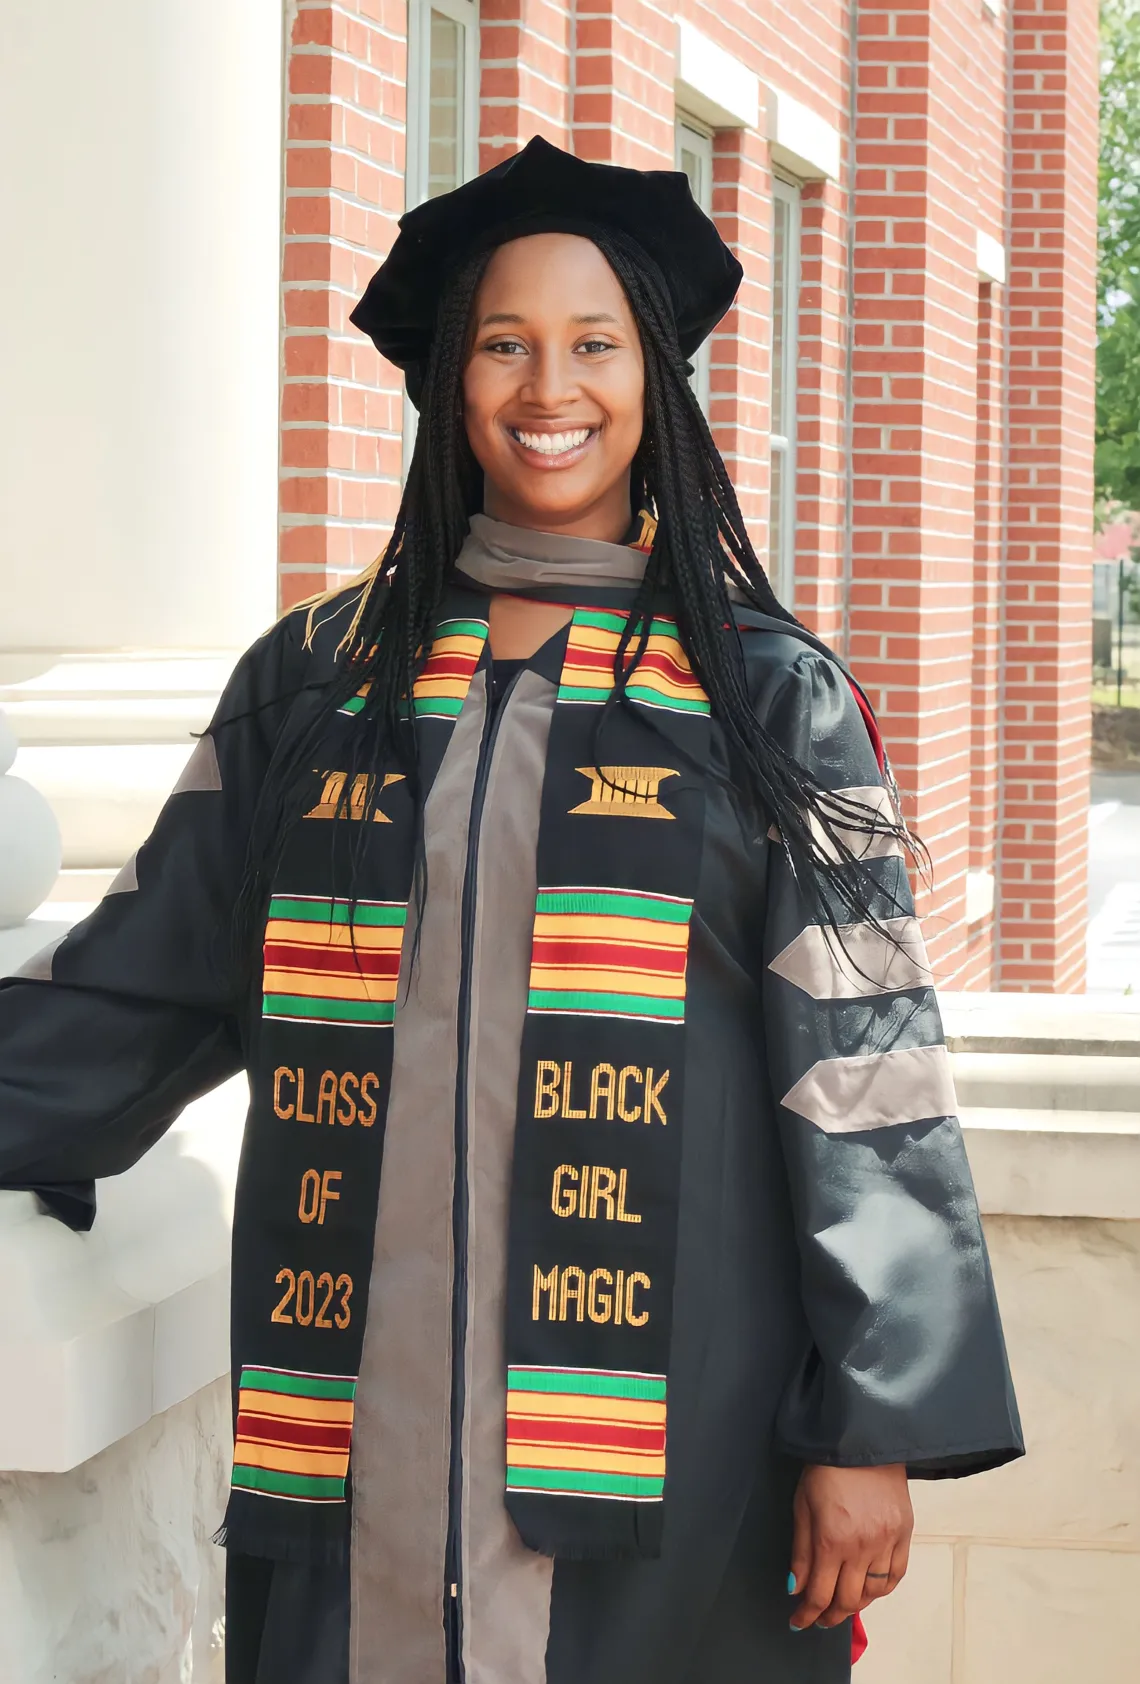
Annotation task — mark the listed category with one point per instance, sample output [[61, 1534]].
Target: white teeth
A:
[[552, 444]]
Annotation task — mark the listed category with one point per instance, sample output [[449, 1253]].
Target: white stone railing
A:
[[116, 1409]]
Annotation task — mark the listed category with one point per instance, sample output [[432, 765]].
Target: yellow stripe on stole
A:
[[326, 1463], [556, 977], [586, 926], [325, 1410], [373, 937], [591, 1460], [329, 986], [639, 1412]]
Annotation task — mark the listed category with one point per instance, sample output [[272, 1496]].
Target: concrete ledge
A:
[[1059, 1024], [713, 85], [104, 1330], [1042, 1081], [139, 696], [106, 796], [1055, 1163]]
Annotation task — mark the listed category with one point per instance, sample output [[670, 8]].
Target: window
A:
[[443, 97], [443, 114], [785, 290], [694, 154]]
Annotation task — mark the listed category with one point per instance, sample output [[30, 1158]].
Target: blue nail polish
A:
[[795, 1628], [791, 1584]]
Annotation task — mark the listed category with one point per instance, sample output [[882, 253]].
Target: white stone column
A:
[[139, 338]]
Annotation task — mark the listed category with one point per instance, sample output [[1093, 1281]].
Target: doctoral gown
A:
[[833, 1301]]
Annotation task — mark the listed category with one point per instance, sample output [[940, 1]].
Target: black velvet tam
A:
[[543, 190]]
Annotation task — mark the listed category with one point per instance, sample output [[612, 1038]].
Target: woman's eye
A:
[[506, 347], [593, 346]]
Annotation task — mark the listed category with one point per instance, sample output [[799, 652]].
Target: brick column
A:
[[987, 613], [1042, 884], [741, 351], [915, 337], [821, 449], [526, 58], [344, 190], [624, 61]]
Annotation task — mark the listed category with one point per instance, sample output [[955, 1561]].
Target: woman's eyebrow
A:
[[502, 316]]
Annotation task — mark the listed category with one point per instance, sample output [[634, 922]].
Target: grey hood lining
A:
[[496, 556], [499, 557]]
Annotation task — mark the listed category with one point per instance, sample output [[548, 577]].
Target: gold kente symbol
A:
[[625, 792], [331, 803]]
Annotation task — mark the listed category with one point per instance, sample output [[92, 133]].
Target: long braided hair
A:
[[700, 536]]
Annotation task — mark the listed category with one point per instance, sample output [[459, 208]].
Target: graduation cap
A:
[[545, 190]]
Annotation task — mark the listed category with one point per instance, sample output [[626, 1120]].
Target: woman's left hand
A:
[[850, 1540]]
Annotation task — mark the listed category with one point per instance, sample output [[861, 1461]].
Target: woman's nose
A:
[[550, 378]]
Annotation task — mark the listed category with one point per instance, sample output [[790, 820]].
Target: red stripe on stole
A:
[[654, 661], [307, 1435], [547, 1429], [610, 955], [450, 666], [334, 961]]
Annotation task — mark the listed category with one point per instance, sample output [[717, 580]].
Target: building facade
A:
[[903, 391]]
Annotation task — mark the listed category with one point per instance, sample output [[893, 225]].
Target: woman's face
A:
[[554, 387]]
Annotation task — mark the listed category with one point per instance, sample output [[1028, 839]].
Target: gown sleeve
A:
[[107, 1036], [907, 1362]]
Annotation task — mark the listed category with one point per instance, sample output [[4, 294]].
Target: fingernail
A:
[[791, 1584], [795, 1628]]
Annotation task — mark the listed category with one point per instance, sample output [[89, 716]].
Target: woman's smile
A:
[[547, 448]]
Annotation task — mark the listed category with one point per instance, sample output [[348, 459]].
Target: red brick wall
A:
[[344, 190], [986, 717], [985, 689], [1051, 347]]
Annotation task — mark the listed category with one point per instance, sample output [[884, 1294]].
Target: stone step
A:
[[1047, 1081], [1070, 1025], [1055, 1163]]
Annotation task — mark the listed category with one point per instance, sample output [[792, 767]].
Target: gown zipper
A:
[[453, 1575]]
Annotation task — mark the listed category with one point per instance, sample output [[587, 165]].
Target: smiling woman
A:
[[554, 389], [605, 1253]]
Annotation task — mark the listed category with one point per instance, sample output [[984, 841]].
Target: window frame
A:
[[418, 129], [686, 126], [782, 429]]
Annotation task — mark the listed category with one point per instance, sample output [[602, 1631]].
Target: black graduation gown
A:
[[833, 1301]]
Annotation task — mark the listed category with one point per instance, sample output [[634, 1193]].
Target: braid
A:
[[699, 523], [701, 540]]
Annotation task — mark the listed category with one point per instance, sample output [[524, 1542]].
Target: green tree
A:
[[1118, 276]]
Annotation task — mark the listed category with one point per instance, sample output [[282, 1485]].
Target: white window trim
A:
[[782, 428], [687, 125], [465, 12]]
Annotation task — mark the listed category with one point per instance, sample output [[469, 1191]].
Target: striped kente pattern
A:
[[586, 1432], [293, 1434], [441, 689], [320, 967], [611, 953], [663, 679]]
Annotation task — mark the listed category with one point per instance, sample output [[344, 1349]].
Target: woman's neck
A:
[[607, 520]]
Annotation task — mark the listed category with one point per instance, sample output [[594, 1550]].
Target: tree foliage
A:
[[1118, 276]]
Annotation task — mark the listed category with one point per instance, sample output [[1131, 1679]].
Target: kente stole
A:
[[597, 1149]]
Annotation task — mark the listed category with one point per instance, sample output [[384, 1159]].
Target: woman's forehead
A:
[[550, 273]]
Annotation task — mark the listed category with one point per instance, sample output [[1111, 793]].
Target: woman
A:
[[674, 1270]]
